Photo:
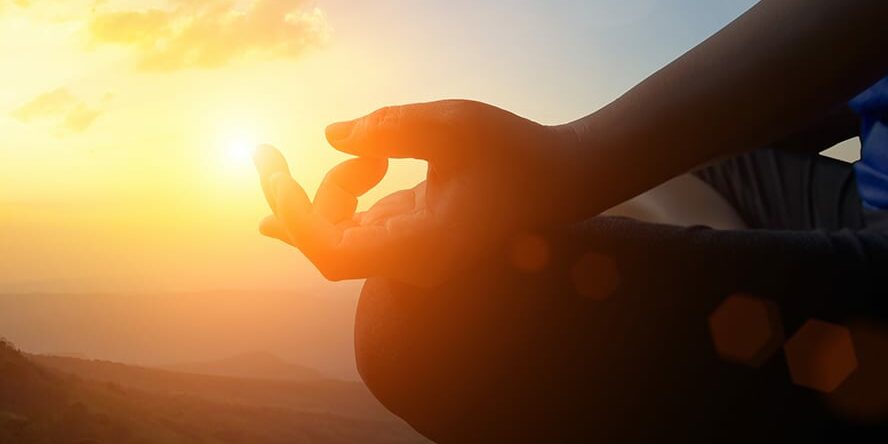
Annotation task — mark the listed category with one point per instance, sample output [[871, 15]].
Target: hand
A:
[[491, 175]]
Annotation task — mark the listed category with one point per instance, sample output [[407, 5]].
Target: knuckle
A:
[[462, 118], [386, 115], [469, 108]]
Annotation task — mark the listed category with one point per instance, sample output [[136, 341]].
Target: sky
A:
[[128, 212], [120, 120]]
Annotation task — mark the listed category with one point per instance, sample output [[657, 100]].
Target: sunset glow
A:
[[238, 148], [426, 221], [126, 126]]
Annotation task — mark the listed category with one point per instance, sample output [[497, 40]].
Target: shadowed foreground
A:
[[53, 400], [619, 350]]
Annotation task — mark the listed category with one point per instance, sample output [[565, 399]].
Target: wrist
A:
[[577, 162]]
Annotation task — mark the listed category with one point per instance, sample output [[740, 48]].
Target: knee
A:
[[413, 352], [387, 349], [460, 362], [498, 355]]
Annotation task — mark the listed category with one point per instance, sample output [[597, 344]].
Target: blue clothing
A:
[[872, 169]]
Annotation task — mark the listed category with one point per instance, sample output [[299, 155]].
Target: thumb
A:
[[417, 131]]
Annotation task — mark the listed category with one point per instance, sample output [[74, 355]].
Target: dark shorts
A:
[[782, 190]]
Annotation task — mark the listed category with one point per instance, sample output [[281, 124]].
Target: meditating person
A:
[[606, 336]]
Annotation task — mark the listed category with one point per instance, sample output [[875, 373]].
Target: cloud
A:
[[67, 112], [81, 118], [21, 3], [50, 11], [212, 33], [47, 104]]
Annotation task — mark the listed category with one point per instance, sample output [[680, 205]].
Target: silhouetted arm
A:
[[493, 174], [836, 127], [775, 69]]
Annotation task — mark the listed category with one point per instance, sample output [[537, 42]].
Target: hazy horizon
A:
[[120, 166], [159, 330]]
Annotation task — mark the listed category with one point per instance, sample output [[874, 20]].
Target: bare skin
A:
[[470, 199], [492, 174]]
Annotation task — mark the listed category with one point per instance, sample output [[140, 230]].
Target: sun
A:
[[235, 148], [239, 152]]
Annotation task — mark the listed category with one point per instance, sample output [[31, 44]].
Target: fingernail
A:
[[340, 131]]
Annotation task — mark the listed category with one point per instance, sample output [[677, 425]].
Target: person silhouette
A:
[[468, 348]]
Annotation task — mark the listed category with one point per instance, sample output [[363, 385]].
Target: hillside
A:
[[260, 365], [51, 400], [307, 327], [350, 399]]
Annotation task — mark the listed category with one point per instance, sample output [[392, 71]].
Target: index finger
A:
[[418, 131]]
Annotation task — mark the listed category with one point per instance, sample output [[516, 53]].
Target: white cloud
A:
[[66, 112], [213, 33]]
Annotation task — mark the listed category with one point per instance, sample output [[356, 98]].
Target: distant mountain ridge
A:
[[257, 365], [305, 327], [48, 400]]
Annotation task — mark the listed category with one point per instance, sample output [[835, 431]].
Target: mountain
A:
[[260, 365], [351, 399], [311, 327], [52, 400]]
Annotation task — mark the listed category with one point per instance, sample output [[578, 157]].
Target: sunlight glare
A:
[[237, 151], [240, 152]]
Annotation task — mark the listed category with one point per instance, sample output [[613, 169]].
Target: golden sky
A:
[[121, 123], [120, 120], [121, 156]]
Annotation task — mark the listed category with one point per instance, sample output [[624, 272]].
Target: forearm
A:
[[823, 133], [770, 72]]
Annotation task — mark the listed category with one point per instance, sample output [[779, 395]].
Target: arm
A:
[[770, 72], [838, 126], [493, 174]]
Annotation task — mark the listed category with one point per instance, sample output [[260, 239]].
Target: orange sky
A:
[[118, 116], [116, 160], [118, 120]]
